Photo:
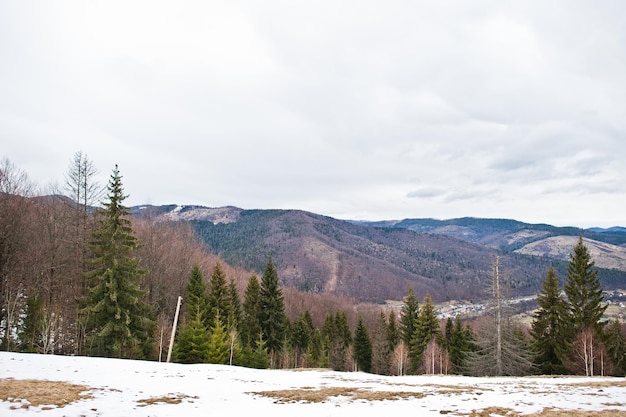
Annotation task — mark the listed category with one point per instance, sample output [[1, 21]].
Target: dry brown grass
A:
[[165, 399], [501, 411], [306, 395], [33, 392]]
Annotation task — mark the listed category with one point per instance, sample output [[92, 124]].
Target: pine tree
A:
[[234, 318], [116, 318], [426, 329], [584, 294], [272, 315], [584, 291], [381, 345], [549, 328], [301, 334], [393, 332], [197, 301], [615, 342], [218, 347], [219, 297], [251, 325], [192, 345], [337, 340], [459, 344], [408, 317], [362, 347]]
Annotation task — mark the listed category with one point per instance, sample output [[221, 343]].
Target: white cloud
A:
[[347, 109]]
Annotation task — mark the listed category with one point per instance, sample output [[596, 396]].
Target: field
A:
[[46, 385]]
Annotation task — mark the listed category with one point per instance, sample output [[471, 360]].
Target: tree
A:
[[197, 302], [500, 347], [362, 347], [15, 239], [408, 317], [549, 327], [583, 290], [459, 344], [219, 346], [381, 345], [272, 317], [426, 329], [219, 297], [615, 342], [251, 326], [193, 341], [301, 335], [115, 315], [584, 294], [337, 339]]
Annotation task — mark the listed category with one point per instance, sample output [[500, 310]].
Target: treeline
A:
[[77, 282]]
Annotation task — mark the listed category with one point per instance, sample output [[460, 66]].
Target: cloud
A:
[[385, 109]]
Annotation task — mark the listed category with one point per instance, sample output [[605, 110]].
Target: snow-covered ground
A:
[[124, 387]]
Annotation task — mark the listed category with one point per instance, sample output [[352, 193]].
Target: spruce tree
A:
[[218, 347], [116, 318], [381, 346], [549, 327], [219, 296], [584, 291], [408, 317], [197, 301], [615, 342], [426, 330], [192, 345], [251, 315], [272, 317], [362, 347]]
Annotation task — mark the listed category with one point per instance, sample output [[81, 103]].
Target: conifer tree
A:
[[219, 296], [301, 334], [192, 345], [218, 347], [234, 302], [584, 291], [362, 347], [615, 342], [459, 343], [251, 315], [393, 331], [337, 339], [197, 301], [426, 329], [381, 345], [408, 318], [549, 328], [116, 318], [272, 317]]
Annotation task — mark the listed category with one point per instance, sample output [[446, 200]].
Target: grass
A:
[[49, 394]]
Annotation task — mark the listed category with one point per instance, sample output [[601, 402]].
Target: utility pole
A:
[[169, 352]]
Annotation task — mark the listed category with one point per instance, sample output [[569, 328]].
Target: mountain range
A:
[[379, 261]]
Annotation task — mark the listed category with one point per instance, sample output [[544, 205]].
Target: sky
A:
[[364, 110], [118, 386]]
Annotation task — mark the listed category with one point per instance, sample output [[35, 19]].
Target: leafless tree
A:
[[15, 205]]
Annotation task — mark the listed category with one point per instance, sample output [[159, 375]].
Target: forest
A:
[[79, 275]]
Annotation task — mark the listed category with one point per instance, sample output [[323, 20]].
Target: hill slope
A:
[[365, 262]]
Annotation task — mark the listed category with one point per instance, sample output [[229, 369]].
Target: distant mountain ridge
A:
[[376, 261]]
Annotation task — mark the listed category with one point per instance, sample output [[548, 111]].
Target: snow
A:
[[118, 385]]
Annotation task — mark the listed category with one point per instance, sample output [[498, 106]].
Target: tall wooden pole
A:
[[169, 352]]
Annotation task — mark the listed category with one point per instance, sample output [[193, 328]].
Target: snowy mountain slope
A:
[[139, 388]]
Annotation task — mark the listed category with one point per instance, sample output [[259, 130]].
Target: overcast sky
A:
[[352, 109]]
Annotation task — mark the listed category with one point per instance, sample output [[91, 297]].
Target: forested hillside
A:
[[366, 263]]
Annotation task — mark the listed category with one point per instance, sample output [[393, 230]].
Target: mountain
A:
[[376, 261]]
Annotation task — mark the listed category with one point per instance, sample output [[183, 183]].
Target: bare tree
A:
[[15, 205], [501, 343]]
